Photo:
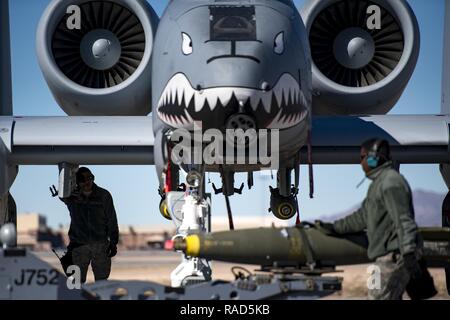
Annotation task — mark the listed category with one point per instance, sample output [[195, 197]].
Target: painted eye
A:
[[278, 45], [187, 44]]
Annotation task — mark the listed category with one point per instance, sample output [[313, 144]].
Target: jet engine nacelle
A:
[[96, 55], [363, 54]]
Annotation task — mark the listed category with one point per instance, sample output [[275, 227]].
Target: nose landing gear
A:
[[189, 209]]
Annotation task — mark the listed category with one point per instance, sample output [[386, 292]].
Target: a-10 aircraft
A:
[[320, 81]]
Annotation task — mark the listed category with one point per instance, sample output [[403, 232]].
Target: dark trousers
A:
[[95, 254], [394, 278]]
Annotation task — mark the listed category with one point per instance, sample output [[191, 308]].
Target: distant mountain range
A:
[[427, 206]]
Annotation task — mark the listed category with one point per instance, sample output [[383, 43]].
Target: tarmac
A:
[[156, 266]]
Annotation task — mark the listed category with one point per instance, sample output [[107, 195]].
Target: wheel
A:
[[163, 209]]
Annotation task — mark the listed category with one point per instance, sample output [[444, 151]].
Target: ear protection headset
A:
[[373, 156]]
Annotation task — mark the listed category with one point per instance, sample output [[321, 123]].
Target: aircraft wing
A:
[[130, 140], [87, 140], [413, 139]]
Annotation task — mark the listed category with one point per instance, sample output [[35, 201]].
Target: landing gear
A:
[[190, 212], [186, 205]]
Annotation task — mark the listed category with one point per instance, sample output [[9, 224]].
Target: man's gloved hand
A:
[[412, 265], [76, 194], [325, 227], [112, 250]]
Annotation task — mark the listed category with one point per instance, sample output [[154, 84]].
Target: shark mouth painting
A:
[[282, 107]]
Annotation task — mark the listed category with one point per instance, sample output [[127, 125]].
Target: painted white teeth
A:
[[180, 87], [267, 101], [286, 95], [188, 116], [254, 101], [277, 118], [187, 96], [243, 94], [179, 90], [279, 95], [180, 93], [288, 119], [212, 101], [199, 100], [292, 95], [178, 121], [223, 94]]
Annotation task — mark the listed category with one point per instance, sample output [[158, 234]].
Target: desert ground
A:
[[156, 265]]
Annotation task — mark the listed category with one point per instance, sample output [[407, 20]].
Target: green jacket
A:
[[387, 214]]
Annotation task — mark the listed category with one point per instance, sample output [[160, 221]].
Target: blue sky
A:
[[134, 187]]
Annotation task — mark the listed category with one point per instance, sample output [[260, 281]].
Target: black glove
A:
[[112, 250], [76, 194], [325, 227], [412, 265]]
